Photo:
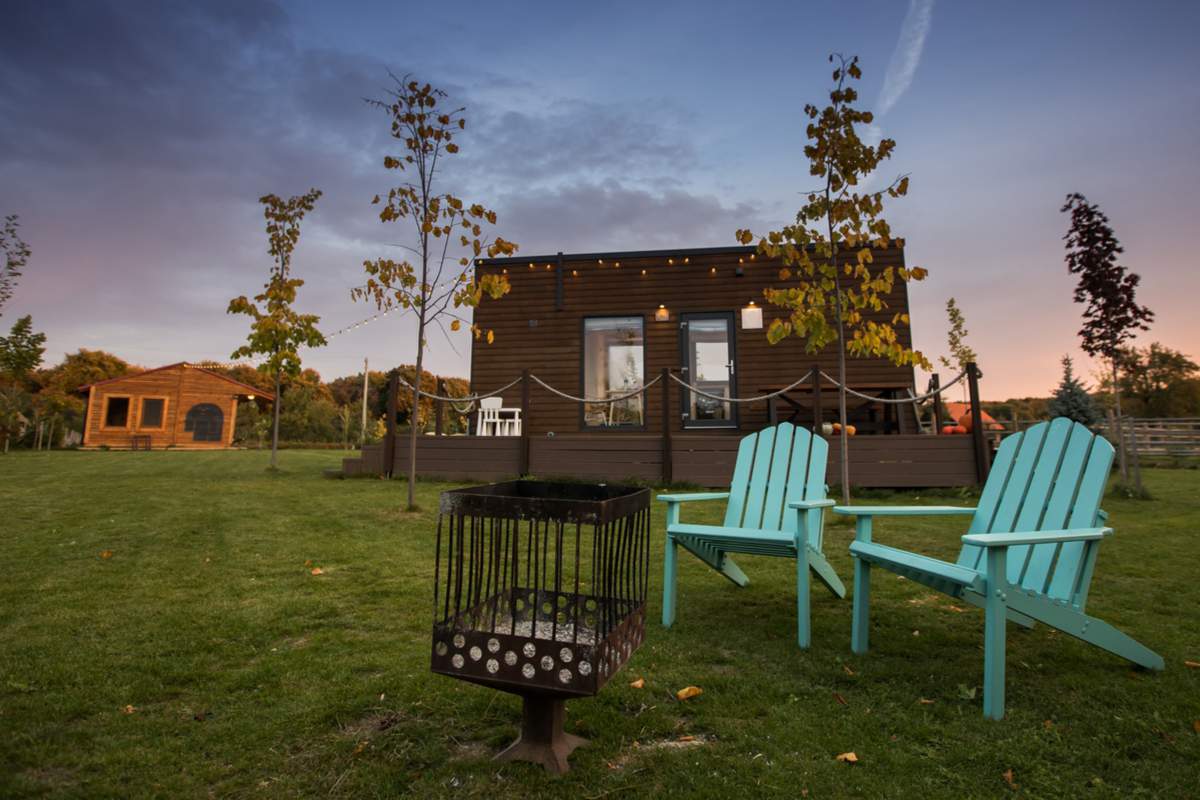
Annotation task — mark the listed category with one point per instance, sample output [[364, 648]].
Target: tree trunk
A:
[[275, 425], [37, 430], [1121, 458], [414, 417], [50, 436], [6, 443]]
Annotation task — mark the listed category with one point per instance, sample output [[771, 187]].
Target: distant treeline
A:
[[314, 411]]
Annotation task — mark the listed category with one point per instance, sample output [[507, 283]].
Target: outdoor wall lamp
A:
[[661, 314], [751, 317]]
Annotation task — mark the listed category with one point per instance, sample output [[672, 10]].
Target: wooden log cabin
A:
[[179, 406], [598, 325]]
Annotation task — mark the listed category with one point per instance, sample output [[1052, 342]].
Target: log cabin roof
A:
[[254, 390]]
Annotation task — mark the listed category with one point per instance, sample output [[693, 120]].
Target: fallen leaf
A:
[[926, 702], [381, 696], [688, 691], [1048, 725], [848, 758], [687, 738], [966, 692], [1192, 664], [640, 683], [956, 609], [318, 571], [1008, 778], [1196, 725], [107, 554], [848, 671], [308, 562], [360, 747], [841, 700], [128, 710], [916, 633]]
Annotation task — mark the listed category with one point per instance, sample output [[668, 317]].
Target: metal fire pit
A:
[[540, 590]]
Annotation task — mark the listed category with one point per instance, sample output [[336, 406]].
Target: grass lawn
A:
[[203, 658]]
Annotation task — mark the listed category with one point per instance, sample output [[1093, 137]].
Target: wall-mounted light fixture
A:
[[751, 317], [661, 314]]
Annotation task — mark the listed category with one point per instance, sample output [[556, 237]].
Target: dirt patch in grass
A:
[[639, 750]]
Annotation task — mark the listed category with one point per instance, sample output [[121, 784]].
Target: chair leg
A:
[[862, 601], [803, 599], [995, 617], [669, 567]]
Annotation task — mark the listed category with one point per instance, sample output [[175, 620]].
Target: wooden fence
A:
[[1177, 437]]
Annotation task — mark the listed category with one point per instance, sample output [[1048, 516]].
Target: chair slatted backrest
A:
[[775, 466], [1047, 478]]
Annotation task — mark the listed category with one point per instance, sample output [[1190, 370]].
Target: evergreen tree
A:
[[1071, 399]]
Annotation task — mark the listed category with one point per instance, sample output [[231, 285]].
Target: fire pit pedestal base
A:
[[543, 740]]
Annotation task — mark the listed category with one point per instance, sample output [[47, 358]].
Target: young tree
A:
[[278, 331], [1112, 315], [15, 256], [956, 341], [447, 234], [828, 252], [1071, 399], [21, 351], [13, 403]]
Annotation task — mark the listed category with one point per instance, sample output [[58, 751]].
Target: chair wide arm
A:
[[695, 496], [1035, 537], [901, 511], [804, 505]]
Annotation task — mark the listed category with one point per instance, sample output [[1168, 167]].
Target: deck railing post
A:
[[981, 453], [389, 440], [667, 466], [935, 384], [439, 408], [524, 463], [818, 414]]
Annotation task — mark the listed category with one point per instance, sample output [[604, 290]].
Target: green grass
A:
[[249, 676]]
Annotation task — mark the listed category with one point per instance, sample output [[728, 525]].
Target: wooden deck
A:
[[898, 461]]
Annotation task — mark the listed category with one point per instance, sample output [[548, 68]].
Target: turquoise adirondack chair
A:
[[776, 505], [1029, 554]]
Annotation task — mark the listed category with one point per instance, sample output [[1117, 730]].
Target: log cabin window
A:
[[116, 412], [204, 422], [614, 363], [153, 409]]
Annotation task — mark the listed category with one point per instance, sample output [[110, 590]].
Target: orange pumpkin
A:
[[961, 429], [965, 422], [851, 430], [948, 429]]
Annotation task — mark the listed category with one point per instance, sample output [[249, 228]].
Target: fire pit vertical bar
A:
[[437, 569], [576, 600]]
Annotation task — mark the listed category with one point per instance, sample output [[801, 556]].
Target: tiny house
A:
[[599, 325], [182, 406]]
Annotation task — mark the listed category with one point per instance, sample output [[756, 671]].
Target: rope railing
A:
[[897, 400], [588, 400], [472, 399], [757, 399]]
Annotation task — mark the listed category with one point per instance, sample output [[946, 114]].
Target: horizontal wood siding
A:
[[702, 459], [612, 458], [531, 333], [472, 458]]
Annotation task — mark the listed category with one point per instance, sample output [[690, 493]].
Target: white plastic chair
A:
[[487, 422]]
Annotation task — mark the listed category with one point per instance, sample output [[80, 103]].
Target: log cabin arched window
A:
[[205, 422]]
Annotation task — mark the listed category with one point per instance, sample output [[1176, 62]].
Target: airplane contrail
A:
[[907, 55]]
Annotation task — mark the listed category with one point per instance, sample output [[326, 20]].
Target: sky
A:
[[136, 137]]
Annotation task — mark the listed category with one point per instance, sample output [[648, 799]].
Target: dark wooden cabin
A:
[[600, 324], [181, 406]]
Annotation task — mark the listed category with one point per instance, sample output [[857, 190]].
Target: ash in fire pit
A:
[[540, 590]]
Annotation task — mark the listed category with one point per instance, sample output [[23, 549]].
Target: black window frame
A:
[[104, 420], [583, 426]]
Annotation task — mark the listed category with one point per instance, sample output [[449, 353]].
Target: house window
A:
[[614, 364], [204, 422], [116, 412], [152, 412]]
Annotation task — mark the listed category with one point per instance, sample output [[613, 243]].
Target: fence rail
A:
[[1173, 437]]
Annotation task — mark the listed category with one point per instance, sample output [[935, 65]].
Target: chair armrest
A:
[[1035, 537], [901, 511], [806, 504], [685, 498]]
